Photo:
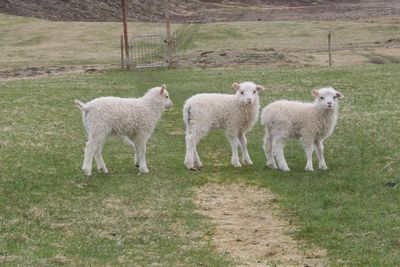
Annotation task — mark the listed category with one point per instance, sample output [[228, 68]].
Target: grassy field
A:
[[51, 214], [34, 42]]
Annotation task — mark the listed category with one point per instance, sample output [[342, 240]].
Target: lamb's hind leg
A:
[[192, 159], [92, 146], [101, 166], [278, 145], [197, 162], [268, 141]]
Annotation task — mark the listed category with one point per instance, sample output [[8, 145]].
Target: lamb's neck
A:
[[328, 118], [328, 113], [154, 105]]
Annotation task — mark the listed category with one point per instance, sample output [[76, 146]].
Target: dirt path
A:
[[249, 230]]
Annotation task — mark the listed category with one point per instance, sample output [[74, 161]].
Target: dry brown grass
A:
[[35, 42]]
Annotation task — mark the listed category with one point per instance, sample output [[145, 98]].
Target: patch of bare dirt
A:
[[249, 229], [220, 58], [39, 72]]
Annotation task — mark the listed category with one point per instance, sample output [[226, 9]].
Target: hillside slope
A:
[[195, 11]]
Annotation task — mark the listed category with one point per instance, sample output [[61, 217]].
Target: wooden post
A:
[[329, 49], [168, 28], [125, 24], [122, 52]]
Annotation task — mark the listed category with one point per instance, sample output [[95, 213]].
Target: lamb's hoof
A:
[[190, 166], [104, 170], [236, 164], [194, 169], [323, 167], [87, 172], [309, 169], [137, 165], [272, 166], [198, 166], [143, 170], [285, 169], [247, 162]]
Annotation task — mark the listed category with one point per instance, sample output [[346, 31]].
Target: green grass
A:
[[51, 214]]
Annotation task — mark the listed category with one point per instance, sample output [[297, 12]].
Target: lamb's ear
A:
[[339, 94], [314, 92], [236, 86], [163, 87], [259, 88]]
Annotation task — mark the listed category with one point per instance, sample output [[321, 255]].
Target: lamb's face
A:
[[247, 92], [327, 98], [165, 96]]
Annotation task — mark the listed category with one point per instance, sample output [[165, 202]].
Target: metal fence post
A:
[[329, 49], [122, 52], [168, 28], [125, 25]]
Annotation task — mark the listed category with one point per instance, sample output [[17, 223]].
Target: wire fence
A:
[[148, 51]]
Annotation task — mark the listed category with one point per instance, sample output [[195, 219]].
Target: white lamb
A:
[[235, 114], [134, 119], [310, 122]]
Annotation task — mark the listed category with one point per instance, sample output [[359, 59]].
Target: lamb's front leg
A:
[[267, 146], [140, 144], [308, 149], [320, 154], [245, 152], [129, 141], [234, 141]]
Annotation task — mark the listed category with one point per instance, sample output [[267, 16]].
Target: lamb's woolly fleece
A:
[[310, 122], [299, 119], [220, 111], [134, 119], [235, 114], [123, 116]]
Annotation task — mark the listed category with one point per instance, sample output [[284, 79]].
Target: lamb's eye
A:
[[242, 93], [322, 98], [254, 91], [334, 97], [167, 96]]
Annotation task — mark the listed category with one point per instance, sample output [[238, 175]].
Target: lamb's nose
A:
[[329, 103]]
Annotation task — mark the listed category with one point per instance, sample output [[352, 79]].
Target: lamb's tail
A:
[[186, 115], [263, 120], [83, 108], [80, 105]]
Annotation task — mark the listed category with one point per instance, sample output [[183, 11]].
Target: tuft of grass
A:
[[185, 36], [52, 214]]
